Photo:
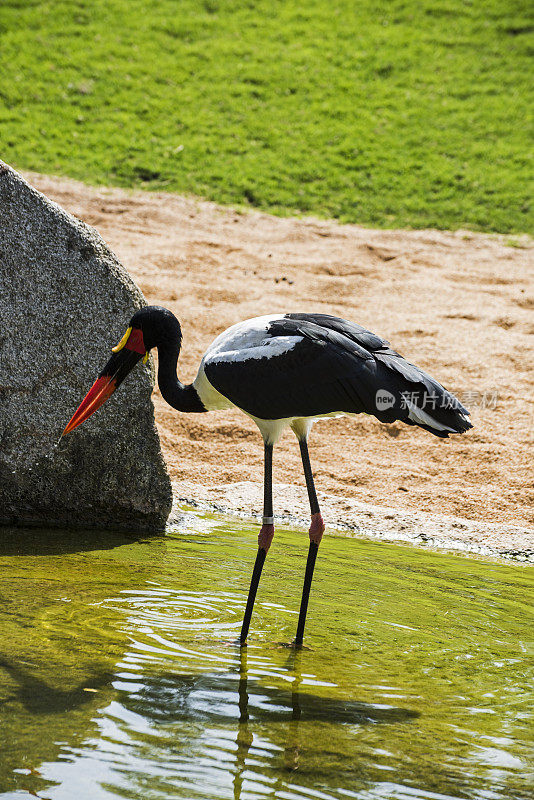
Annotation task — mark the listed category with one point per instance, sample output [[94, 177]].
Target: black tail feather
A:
[[418, 399]]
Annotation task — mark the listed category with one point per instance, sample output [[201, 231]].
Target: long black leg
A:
[[264, 541], [256, 574], [316, 533], [310, 486]]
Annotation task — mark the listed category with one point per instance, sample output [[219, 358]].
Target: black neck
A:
[[176, 394]]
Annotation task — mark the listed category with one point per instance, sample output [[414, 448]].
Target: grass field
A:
[[382, 112]]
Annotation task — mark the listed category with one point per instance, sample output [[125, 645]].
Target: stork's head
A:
[[151, 326]]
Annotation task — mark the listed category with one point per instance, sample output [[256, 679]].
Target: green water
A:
[[118, 678]]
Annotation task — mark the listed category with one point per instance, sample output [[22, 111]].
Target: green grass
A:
[[380, 112]]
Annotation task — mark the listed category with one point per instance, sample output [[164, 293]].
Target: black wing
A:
[[336, 366]]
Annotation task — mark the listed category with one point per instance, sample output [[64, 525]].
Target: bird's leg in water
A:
[[264, 540], [316, 534]]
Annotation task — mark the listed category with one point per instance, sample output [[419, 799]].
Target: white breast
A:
[[211, 399]]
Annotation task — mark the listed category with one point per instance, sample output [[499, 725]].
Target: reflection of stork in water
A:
[[284, 370], [209, 699], [245, 736], [297, 710], [292, 749], [274, 727]]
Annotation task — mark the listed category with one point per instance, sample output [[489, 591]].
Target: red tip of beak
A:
[[97, 395]]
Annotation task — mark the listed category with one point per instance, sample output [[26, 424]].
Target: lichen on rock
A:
[[65, 300]]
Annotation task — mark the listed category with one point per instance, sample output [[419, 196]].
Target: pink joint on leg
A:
[[316, 528], [266, 536]]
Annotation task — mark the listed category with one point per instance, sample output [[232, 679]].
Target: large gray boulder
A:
[[65, 300]]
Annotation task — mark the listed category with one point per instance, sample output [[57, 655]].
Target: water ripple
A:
[[119, 678]]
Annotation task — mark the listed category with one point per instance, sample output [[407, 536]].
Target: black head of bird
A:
[[151, 326]]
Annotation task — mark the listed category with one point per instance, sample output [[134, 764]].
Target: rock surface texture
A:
[[65, 300]]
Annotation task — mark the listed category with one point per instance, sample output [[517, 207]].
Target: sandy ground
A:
[[457, 304]]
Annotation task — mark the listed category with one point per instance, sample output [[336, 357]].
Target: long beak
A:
[[113, 374]]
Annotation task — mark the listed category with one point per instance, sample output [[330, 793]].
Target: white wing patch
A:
[[268, 348], [249, 340]]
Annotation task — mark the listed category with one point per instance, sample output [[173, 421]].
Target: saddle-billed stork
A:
[[283, 370]]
